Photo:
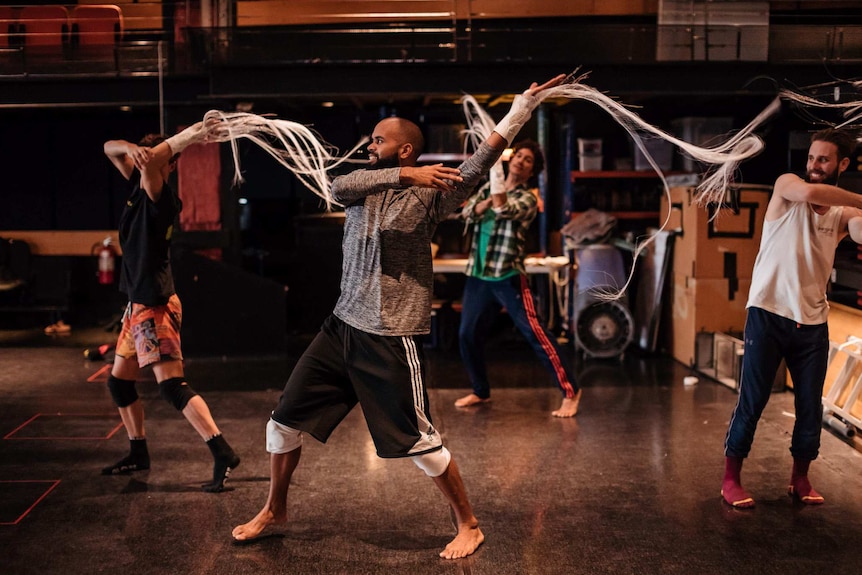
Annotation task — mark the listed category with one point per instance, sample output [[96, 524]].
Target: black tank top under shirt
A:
[[145, 237]]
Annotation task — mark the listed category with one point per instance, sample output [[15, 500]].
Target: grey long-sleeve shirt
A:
[[387, 275]]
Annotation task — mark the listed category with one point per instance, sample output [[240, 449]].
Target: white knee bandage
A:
[[434, 463], [281, 438]]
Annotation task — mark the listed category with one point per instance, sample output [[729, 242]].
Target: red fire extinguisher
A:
[[107, 256]]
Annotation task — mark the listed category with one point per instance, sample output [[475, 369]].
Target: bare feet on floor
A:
[[251, 530], [464, 544], [471, 399], [569, 407]]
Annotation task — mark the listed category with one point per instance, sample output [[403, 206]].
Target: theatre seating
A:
[[96, 25], [96, 32], [8, 26], [46, 26], [43, 37], [51, 39]]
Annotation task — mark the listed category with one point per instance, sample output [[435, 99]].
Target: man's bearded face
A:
[[823, 165], [381, 162], [818, 176]]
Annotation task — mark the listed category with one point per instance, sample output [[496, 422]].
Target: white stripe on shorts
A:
[[415, 373], [429, 438]]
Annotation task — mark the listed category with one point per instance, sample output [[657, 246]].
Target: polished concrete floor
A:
[[630, 486]]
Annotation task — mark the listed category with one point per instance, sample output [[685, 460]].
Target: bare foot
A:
[[464, 544], [471, 399], [252, 529], [569, 407]]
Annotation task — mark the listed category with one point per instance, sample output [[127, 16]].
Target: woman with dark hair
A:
[[500, 215], [150, 334]]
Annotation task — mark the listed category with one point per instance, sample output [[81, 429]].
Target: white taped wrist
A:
[[497, 178], [184, 139], [522, 108]]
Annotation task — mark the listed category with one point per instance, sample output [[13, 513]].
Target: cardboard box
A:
[[720, 356], [704, 305], [719, 247]]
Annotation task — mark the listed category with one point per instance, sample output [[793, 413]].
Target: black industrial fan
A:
[[604, 329]]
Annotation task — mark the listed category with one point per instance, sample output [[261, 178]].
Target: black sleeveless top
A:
[[145, 237]]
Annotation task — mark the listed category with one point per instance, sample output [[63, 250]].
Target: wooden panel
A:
[[844, 321], [699, 251], [290, 12], [625, 7], [63, 243], [137, 15], [528, 8], [147, 16], [550, 8], [704, 305]]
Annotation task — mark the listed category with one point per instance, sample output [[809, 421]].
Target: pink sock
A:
[[800, 486], [731, 486]]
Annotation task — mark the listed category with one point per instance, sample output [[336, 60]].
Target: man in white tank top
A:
[[787, 308]]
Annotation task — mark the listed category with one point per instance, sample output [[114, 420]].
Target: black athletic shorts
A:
[[384, 374]]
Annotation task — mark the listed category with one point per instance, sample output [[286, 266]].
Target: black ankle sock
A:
[[138, 459], [225, 461]]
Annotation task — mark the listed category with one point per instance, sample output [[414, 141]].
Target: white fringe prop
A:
[[294, 146], [722, 160], [852, 111], [480, 124]]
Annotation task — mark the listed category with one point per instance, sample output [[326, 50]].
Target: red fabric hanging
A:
[[198, 173]]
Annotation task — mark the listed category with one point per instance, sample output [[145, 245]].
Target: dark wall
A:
[[56, 175]]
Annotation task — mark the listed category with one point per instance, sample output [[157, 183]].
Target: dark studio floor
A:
[[630, 486]]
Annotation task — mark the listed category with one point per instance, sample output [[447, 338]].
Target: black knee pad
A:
[[176, 392], [122, 391]]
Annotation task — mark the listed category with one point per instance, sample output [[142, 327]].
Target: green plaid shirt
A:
[[509, 225]]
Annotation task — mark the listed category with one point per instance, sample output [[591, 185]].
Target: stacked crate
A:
[[713, 258]]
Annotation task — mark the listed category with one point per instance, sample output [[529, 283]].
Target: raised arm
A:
[[520, 206], [126, 156], [792, 188], [358, 184], [503, 134]]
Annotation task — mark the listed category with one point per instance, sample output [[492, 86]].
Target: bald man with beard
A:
[[369, 350]]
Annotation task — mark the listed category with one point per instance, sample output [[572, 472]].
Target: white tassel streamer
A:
[[294, 146], [479, 123], [851, 111], [722, 160]]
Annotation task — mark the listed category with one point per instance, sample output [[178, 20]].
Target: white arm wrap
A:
[[191, 135], [498, 179], [522, 108]]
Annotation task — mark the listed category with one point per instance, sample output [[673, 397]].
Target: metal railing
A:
[[124, 40]]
